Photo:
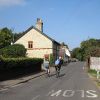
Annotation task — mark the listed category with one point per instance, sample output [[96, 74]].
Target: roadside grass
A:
[[93, 73], [98, 83]]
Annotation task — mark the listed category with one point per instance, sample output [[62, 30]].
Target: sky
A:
[[69, 21]]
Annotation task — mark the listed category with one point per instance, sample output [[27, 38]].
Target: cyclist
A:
[[58, 64], [47, 66]]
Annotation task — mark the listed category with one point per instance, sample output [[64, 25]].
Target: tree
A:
[[87, 48], [51, 59], [16, 50], [93, 51], [5, 37], [89, 43], [18, 35], [90, 47], [77, 53]]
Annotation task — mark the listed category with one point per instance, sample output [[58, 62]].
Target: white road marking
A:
[[36, 97], [91, 94], [56, 93], [50, 93], [71, 93], [68, 93]]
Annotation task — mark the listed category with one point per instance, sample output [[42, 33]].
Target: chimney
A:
[[39, 24]]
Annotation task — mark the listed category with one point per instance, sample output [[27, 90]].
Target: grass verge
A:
[[93, 74]]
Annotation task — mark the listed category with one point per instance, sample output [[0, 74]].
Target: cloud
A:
[[11, 2]]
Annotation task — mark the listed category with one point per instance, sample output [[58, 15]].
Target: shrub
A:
[[16, 50], [5, 37], [51, 59], [92, 71], [19, 63], [93, 51], [18, 67]]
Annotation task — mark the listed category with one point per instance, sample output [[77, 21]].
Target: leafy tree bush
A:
[[19, 63], [93, 51], [51, 59], [16, 50], [5, 37], [87, 48], [77, 53], [18, 35]]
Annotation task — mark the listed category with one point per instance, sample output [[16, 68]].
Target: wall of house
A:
[[56, 48], [41, 44]]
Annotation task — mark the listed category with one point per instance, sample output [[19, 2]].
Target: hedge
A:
[[18, 67], [11, 63], [16, 50]]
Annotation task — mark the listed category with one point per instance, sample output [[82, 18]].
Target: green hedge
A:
[[16, 50], [11, 63], [51, 59]]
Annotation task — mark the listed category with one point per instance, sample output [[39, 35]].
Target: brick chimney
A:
[[39, 24]]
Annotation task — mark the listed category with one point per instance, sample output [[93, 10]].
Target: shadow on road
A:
[[15, 74], [61, 75], [54, 74]]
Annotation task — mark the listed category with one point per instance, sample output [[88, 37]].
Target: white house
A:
[[64, 52], [37, 43]]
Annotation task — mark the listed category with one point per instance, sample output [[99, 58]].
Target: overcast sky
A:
[[69, 21]]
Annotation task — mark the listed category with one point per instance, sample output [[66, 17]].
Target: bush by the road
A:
[[16, 50], [18, 67], [11, 63]]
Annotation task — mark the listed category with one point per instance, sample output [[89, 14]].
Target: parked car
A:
[[74, 60]]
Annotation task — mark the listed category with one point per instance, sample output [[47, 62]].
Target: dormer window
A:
[[30, 44]]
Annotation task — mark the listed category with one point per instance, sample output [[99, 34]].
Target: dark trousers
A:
[[57, 66]]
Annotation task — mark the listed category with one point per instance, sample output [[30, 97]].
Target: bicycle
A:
[[57, 71], [48, 72]]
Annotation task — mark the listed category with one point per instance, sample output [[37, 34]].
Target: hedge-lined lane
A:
[[15, 67]]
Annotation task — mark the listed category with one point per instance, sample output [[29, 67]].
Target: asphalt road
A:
[[73, 84]]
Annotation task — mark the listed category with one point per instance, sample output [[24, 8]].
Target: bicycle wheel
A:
[[57, 72], [48, 72]]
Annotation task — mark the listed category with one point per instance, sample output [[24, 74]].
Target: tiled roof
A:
[[32, 27]]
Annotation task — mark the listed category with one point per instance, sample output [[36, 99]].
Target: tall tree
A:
[[93, 51], [18, 35], [87, 48], [77, 53], [5, 37], [89, 43]]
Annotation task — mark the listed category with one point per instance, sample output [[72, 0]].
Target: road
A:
[[73, 84]]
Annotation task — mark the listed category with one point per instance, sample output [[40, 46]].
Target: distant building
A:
[[64, 53], [37, 43]]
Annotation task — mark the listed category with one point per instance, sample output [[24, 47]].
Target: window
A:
[[30, 44]]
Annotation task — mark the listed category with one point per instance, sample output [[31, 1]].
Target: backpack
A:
[[57, 62]]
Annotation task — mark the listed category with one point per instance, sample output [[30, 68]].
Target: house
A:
[[64, 52], [37, 43]]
